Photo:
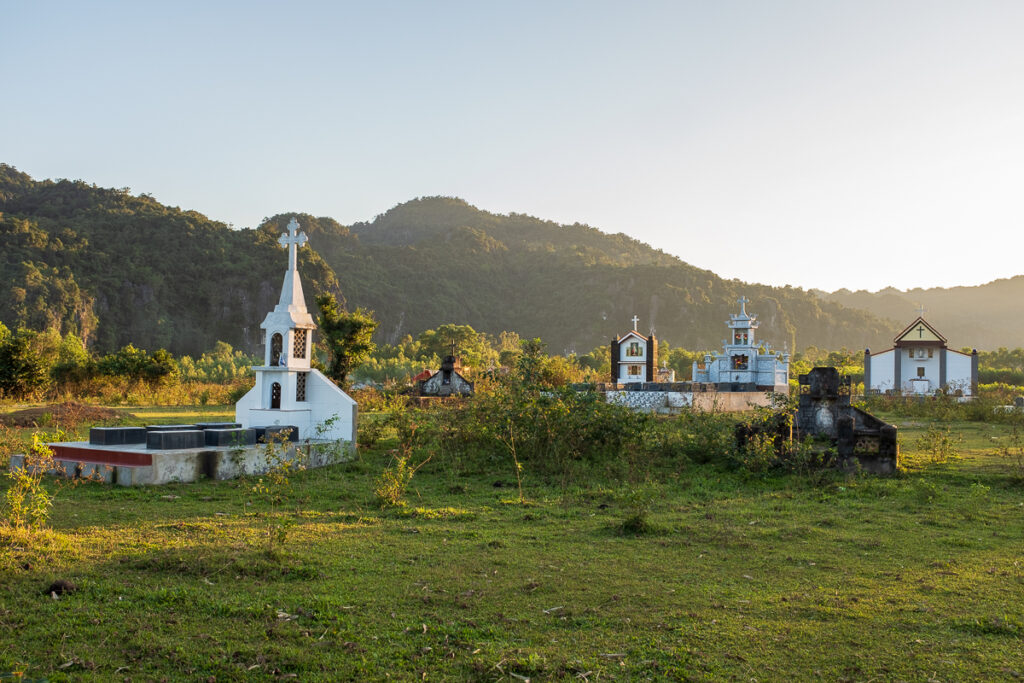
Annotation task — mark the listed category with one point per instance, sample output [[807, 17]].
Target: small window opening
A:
[[276, 346], [299, 344]]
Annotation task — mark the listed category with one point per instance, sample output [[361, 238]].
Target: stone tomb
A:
[[859, 437], [289, 396], [161, 454]]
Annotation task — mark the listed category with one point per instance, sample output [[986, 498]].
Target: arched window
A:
[[276, 345], [275, 396]]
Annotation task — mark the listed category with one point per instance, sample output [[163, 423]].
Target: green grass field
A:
[[914, 577]]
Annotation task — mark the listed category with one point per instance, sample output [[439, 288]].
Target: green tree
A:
[[137, 364], [472, 347], [23, 369], [73, 363], [347, 336]]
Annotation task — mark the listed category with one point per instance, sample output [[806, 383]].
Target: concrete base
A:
[[134, 465], [674, 402]]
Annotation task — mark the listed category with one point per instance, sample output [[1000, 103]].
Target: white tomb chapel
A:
[[744, 362], [634, 357], [288, 391], [920, 363]]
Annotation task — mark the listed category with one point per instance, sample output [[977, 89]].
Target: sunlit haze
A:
[[817, 144]]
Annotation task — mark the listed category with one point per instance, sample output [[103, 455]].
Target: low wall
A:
[[671, 402]]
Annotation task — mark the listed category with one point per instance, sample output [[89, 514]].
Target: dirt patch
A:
[[70, 414]]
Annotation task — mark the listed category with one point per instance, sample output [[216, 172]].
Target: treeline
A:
[[47, 364]]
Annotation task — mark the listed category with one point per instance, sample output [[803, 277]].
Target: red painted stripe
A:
[[100, 457]]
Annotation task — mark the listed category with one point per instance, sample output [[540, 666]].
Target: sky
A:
[[827, 145]]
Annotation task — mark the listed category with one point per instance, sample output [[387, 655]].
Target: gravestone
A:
[[859, 437]]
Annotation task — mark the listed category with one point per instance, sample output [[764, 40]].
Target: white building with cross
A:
[[744, 365], [634, 357], [921, 363], [288, 391]]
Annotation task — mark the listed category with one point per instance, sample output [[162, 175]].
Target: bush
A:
[[26, 501], [939, 444], [637, 504]]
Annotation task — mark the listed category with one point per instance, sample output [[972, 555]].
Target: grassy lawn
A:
[[914, 577]]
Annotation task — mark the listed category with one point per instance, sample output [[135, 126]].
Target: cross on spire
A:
[[635, 321], [921, 310], [743, 301], [292, 241]]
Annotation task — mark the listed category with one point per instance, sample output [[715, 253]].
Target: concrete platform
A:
[[135, 465]]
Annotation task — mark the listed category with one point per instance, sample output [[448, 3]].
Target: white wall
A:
[[909, 366], [324, 400], [882, 371], [958, 371]]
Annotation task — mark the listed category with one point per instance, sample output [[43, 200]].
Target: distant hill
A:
[[119, 268], [984, 317], [438, 259]]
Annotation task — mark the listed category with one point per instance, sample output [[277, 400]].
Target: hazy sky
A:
[[820, 144]]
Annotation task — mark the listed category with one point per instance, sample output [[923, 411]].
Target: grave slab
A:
[[218, 425], [116, 436], [176, 440], [230, 437], [263, 434]]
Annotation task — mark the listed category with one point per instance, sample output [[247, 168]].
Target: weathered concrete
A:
[[665, 401], [861, 439], [185, 465]]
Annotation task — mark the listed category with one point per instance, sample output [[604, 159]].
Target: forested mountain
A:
[[435, 260], [984, 317], [117, 268]]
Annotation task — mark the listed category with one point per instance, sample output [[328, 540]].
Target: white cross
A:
[[291, 241], [635, 321], [921, 310], [743, 301]]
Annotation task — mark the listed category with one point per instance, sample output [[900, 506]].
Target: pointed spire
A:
[[292, 298]]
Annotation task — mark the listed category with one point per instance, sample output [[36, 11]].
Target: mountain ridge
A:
[[119, 268]]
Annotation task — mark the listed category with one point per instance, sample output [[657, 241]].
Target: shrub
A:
[[939, 444], [393, 483], [637, 504], [1013, 451], [27, 502]]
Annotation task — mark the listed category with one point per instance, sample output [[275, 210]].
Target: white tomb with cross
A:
[[288, 390], [744, 365], [920, 363], [634, 357]]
